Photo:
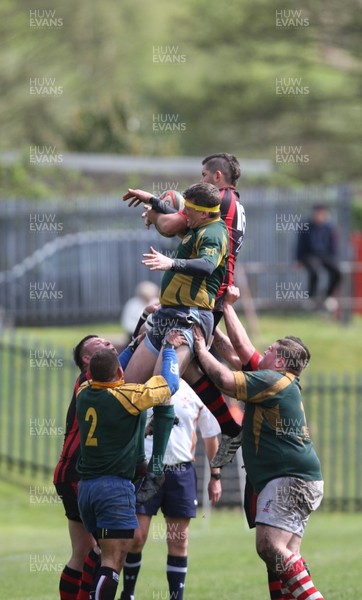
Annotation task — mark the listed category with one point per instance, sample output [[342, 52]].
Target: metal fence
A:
[[63, 262], [36, 383]]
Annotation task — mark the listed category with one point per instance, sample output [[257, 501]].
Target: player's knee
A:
[[265, 550], [177, 543], [81, 547], [139, 540]]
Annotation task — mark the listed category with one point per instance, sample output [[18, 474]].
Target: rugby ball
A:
[[174, 199]]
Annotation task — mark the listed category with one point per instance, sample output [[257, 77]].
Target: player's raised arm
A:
[[226, 350], [218, 373], [136, 197], [236, 331]]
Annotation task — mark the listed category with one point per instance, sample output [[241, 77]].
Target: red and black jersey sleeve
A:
[[253, 363], [232, 212], [66, 467], [182, 214]]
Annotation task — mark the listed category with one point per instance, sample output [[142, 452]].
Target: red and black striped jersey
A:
[[66, 467], [233, 213]]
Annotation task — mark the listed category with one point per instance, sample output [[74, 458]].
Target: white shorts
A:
[[287, 502]]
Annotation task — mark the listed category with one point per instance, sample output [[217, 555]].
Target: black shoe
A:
[[226, 451], [149, 487]]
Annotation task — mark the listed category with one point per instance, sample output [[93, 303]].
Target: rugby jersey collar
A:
[[98, 385]]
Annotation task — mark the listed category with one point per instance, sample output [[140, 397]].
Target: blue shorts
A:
[[182, 318], [177, 497], [107, 502]]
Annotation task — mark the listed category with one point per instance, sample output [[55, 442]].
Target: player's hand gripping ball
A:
[[174, 199]]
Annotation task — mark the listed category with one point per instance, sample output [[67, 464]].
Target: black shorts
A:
[[218, 315], [68, 493], [250, 499]]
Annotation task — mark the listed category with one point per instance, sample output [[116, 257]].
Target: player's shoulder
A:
[[268, 376], [209, 230], [229, 195], [217, 226], [84, 385]]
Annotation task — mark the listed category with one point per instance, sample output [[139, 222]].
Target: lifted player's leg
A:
[[141, 365]]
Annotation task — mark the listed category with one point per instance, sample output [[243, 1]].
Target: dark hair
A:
[[204, 194], [228, 164], [103, 365], [295, 353], [78, 351]]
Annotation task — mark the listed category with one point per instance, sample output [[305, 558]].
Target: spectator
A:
[[317, 248], [146, 292]]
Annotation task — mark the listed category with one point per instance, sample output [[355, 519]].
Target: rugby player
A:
[[188, 291], [281, 463], [108, 414], [223, 171]]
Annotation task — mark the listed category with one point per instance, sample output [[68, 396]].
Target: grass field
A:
[[223, 564]]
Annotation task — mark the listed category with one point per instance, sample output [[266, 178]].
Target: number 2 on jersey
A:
[[91, 414]]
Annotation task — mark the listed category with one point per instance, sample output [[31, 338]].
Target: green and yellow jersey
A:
[[276, 441], [109, 424], [210, 242]]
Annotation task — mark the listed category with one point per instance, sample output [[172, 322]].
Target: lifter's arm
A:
[[236, 331], [218, 373], [224, 347]]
